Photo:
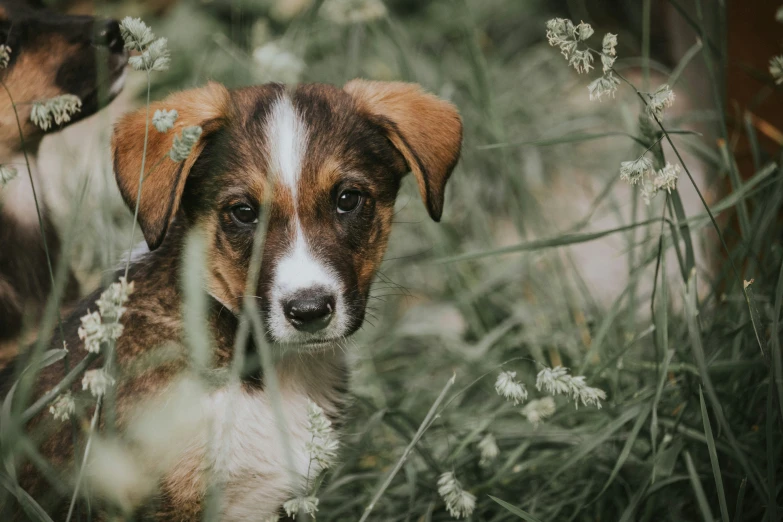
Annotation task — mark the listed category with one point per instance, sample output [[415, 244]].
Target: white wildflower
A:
[[539, 409], [323, 445], [135, 33], [583, 31], [63, 407], [634, 171], [661, 99], [776, 68], [488, 447], [345, 12], [7, 174], [155, 58], [511, 389], [581, 61], [60, 108], [307, 505], [459, 502], [163, 120], [97, 381], [609, 44], [557, 381], [184, 143], [666, 178], [113, 298], [605, 85], [91, 332], [103, 327], [647, 191], [5, 56], [607, 62], [564, 34], [40, 116], [278, 64]]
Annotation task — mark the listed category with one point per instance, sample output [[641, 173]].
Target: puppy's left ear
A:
[[425, 129], [164, 179]]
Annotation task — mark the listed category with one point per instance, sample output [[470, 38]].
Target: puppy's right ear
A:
[[164, 179]]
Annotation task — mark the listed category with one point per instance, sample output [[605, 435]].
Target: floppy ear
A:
[[425, 129], [164, 179]]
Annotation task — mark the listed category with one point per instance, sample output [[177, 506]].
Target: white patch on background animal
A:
[[117, 84], [16, 198], [288, 139], [300, 270]]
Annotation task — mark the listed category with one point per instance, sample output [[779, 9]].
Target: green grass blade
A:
[[777, 356], [524, 515], [599, 438], [736, 184], [772, 436], [724, 508], [28, 503], [698, 490], [424, 425], [684, 231], [697, 348], [739, 512], [569, 239], [626, 451], [661, 318], [630, 509], [686, 59], [539, 244], [755, 317], [568, 138]]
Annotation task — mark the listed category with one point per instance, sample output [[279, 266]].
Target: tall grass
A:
[[686, 348]]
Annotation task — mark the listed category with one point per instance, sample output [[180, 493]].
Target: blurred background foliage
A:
[[540, 162]]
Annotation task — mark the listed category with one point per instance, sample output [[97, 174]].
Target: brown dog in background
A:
[[51, 54]]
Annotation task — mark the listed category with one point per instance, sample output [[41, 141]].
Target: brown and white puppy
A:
[[322, 166], [51, 54]]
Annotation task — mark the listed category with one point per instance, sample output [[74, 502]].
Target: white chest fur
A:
[[259, 459], [254, 460]]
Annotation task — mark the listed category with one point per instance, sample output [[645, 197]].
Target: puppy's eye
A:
[[348, 201], [244, 214]]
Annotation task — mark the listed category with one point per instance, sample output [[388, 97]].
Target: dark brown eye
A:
[[348, 200], [244, 214]]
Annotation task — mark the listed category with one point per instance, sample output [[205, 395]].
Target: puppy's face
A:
[[54, 54], [319, 166]]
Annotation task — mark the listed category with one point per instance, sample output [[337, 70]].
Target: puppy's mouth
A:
[[313, 345]]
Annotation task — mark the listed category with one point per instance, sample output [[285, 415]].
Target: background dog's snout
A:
[[108, 35], [309, 310]]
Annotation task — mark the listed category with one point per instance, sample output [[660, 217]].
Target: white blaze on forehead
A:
[[287, 135], [299, 268]]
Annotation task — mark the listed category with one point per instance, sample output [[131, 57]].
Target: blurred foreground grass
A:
[[690, 361]]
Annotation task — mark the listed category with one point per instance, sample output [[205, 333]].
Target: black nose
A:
[[309, 311], [108, 35]]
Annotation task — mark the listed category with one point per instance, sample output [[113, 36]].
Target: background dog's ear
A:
[[425, 129], [164, 179]]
